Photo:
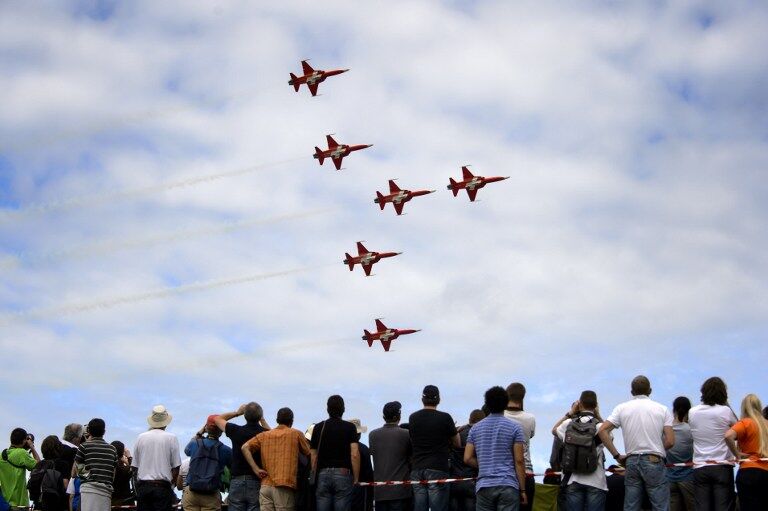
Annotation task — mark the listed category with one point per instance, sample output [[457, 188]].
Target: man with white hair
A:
[[157, 460]]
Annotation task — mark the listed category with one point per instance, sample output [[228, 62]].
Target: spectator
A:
[[335, 458], [14, 463], [362, 497], [157, 460], [122, 493], [95, 462], [279, 449], [73, 490], [181, 480], [74, 435], [765, 413], [496, 446], [709, 421], [391, 451], [433, 433], [244, 485], [647, 431], [585, 491], [681, 478], [55, 499], [751, 432], [463, 492], [516, 393], [207, 438]]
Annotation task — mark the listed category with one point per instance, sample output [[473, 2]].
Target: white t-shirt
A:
[[708, 426], [642, 423], [184, 470], [528, 422], [155, 454], [597, 478]]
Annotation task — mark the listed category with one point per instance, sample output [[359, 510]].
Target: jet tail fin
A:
[[294, 82], [381, 199], [319, 155], [350, 263], [368, 338], [454, 188]]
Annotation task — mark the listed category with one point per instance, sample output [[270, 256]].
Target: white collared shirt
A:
[[642, 422]]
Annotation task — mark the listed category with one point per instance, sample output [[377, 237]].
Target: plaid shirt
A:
[[279, 450]]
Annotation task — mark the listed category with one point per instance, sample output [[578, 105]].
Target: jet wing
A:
[[393, 188], [367, 269], [361, 250], [472, 192], [313, 88], [306, 68], [386, 344], [380, 326], [399, 207], [337, 162], [332, 144], [466, 173]]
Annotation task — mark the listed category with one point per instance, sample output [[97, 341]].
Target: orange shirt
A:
[[748, 437], [280, 449]]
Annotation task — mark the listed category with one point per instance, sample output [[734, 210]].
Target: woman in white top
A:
[[709, 421]]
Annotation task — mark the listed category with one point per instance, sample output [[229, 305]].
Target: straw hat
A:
[[159, 418], [359, 425]]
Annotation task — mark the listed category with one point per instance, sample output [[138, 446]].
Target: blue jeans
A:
[[646, 473], [393, 505], [244, 493], [582, 497], [434, 497], [334, 489], [497, 498]]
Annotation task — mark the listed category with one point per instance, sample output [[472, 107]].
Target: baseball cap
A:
[[392, 410], [211, 422], [430, 392]]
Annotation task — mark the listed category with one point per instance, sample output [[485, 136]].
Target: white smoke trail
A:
[[110, 246], [104, 125], [110, 197], [109, 303]]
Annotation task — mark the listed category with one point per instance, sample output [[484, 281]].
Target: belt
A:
[[155, 482], [338, 470], [649, 454]]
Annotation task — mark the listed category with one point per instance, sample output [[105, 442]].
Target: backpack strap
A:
[[5, 458]]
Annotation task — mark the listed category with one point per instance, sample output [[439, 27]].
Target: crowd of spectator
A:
[[679, 459]]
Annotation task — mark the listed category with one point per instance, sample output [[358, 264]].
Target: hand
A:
[[523, 498], [127, 453], [241, 409], [574, 408], [261, 473], [29, 443], [621, 459]]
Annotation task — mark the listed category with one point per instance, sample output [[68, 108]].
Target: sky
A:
[[167, 238]]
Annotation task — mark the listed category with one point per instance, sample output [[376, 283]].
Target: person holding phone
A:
[[14, 463]]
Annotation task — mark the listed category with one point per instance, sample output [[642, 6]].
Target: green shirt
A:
[[13, 479]]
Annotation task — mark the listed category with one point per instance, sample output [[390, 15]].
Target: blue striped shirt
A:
[[494, 438]]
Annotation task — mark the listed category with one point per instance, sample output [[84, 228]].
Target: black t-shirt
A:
[[240, 435], [431, 433], [334, 450]]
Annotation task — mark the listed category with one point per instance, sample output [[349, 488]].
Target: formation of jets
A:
[[397, 196]]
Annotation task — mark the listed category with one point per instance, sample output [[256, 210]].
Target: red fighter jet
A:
[[312, 77], [336, 151], [385, 335], [366, 258], [471, 183], [398, 197]]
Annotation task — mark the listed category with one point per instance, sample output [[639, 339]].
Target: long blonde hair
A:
[[752, 408]]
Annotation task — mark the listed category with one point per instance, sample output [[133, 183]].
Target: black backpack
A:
[[580, 446], [44, 481], [204, 474]]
